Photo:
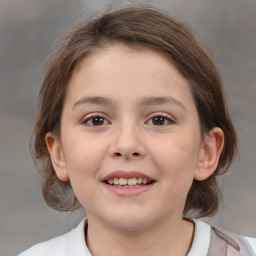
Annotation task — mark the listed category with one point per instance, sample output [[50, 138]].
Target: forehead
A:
[[125, 53], [133, 71], [122, 61]]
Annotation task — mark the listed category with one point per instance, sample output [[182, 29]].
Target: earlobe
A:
[[55, 150], [209, 154]]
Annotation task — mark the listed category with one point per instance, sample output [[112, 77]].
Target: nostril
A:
[[136, 154]]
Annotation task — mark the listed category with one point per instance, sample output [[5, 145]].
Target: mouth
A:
[[128, 183], [133, 182]]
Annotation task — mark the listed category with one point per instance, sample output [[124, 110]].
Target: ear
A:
[[55, 150], [209, 154]]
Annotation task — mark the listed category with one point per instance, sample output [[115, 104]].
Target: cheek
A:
[[177, 152], [82, 163], [83, 156], [176, 159]]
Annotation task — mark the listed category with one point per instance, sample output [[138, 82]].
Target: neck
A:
[[165, 238]]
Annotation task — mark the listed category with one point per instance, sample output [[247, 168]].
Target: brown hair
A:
[[147, 28]]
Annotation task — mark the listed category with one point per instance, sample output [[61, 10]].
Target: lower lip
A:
[[126, 192]]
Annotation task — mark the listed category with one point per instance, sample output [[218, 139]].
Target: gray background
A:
[[28, 30]]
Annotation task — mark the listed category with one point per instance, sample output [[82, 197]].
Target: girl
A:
[[133, 127]]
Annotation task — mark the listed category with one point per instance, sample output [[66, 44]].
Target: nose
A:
[[128, 143]]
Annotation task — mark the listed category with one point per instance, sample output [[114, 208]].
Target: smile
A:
[[128, 183], [132, 183]]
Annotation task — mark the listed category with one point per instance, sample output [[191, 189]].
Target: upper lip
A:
[[127, 175]]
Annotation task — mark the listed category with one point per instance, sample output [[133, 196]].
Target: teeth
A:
[[131, 182], [139, 180], [122, 181]]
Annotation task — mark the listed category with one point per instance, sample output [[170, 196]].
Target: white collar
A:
[[201, 240], [200, 245], [77, 243]]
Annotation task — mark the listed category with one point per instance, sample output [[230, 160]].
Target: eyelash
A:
[[90, 117], [165, 117]]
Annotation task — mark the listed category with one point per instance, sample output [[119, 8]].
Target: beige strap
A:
[[228, 244], [218, 246]]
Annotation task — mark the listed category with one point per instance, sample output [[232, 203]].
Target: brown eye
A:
[[160, 120], [96, 121]]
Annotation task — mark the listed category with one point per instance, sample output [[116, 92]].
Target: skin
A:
[[128, 138]]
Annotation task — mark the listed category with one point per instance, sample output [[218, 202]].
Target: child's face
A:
[[129, 110]]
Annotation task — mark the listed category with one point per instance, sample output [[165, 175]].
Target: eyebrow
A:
[[161, 100], [97, 100], [94, 100]]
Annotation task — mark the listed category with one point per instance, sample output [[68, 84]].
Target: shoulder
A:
[[252, 242], [213, 241], [71, 243], [235, 244], [52, 247]]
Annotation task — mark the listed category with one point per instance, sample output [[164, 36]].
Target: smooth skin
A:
[[130, 109]]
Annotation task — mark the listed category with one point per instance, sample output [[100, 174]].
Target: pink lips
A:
[[130, 191]]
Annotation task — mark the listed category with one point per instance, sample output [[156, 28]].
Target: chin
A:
[[130, 226], [130, 222]]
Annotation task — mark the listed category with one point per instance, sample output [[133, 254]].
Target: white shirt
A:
[[73, 243]]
